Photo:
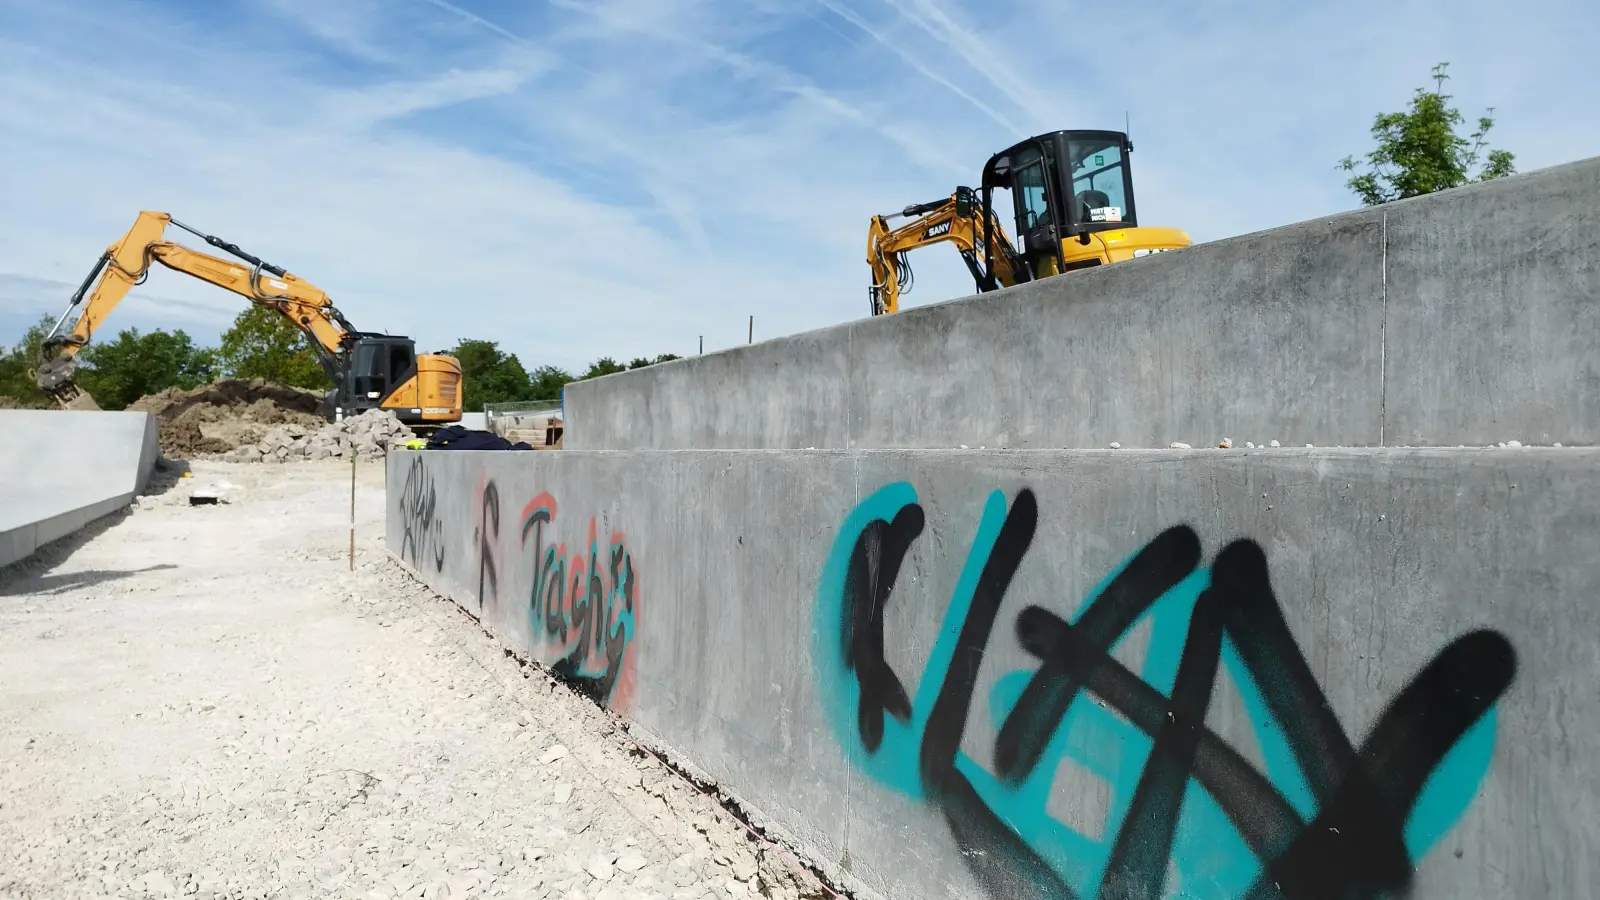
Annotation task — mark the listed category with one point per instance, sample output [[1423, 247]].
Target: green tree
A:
[[548, 381], [15, 382], [1419, 152], [490, 375], [118, 372], [641, 362], [605, 365], [263, 343]]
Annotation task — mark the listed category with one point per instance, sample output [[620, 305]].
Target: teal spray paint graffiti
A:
[[1190, 817], [581, 607], [577, 609]]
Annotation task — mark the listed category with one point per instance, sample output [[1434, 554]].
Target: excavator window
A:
[[367, 374], [1032, 201], [1099, 182], [400, 362], [1031, 191]]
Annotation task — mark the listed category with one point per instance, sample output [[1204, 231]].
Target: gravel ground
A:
[[203, 701]]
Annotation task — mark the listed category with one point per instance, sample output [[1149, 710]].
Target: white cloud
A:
[[578, 179]]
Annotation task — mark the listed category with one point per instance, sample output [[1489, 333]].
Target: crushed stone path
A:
[[204, 701]]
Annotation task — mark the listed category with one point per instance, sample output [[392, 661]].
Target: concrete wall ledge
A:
[[1469, 316]]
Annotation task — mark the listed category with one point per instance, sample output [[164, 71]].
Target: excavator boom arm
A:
[[126, 263], [957, 219]]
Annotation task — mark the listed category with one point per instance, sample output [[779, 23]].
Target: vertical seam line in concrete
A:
[[1383, 339], [849, 765], [850, 393]]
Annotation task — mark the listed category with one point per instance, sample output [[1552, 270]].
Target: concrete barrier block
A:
[[1463, 317], [62, 469], [943, 673], [1493, 311]]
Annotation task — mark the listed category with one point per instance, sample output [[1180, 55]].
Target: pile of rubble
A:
[[228, 413], [366, 436]]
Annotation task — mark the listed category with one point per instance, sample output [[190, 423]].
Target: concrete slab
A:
[[1381, 663], [1469, 317], [61, 470]]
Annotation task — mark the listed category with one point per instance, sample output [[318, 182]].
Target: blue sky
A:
[[578, 178]]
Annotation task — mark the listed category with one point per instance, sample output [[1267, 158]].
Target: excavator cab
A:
[[1072, 196], [384, 372], [378, 364]]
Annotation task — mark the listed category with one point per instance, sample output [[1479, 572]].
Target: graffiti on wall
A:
[[1189, 815], [488, 539], [581, 604], [421, 526]]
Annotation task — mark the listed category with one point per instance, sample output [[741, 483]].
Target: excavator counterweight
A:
[[368, 369]]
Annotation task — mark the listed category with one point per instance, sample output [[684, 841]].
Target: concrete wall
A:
[[1406, 638], [61, 470], [1465, 317]]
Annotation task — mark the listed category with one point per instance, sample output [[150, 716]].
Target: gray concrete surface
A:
[[62, 469], [703, 596], [1469, 316]]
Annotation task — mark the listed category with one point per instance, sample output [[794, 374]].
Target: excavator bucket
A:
[[81, 400], [58, 378]]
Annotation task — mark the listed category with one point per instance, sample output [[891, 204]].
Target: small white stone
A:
[[1273, 444], [1225, 443], [1513, 443], [1116, 445], [1250, 445], [563, 793], [744, 867], [554, 753], [1178, 445]]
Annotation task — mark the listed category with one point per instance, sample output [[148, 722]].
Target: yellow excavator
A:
[[1072, 193], [368, 369]]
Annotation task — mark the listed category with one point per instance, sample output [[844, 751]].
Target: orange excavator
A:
[[369, 370], [1072, 193]]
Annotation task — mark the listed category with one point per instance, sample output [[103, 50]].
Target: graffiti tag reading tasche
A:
[[581, 607]]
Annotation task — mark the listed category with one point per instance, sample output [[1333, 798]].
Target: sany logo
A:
[[1149, 250], [936, 230]]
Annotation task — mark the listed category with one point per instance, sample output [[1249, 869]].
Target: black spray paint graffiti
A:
[[488, 538], [1328, 819], [579, 610], [422, 530], [587, 619]]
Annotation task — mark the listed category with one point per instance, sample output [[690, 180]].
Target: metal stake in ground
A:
[[352, 511]]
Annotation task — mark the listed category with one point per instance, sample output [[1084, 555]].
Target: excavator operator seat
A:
[[1091, 201]]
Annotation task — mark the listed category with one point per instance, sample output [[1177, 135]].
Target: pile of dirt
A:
[[366, 436], [229, 413]]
